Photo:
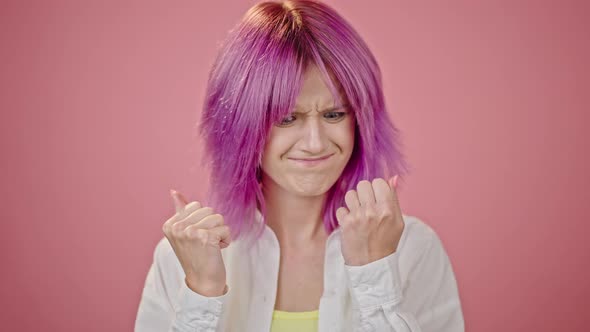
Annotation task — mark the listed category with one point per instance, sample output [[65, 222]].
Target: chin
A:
[[311, 187]]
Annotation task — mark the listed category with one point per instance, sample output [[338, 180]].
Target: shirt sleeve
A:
[[428, 302], [167, 304]]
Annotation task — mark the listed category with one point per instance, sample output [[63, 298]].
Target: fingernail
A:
[[172, 192]]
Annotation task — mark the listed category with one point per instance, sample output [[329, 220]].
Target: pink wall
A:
[[99, 101]]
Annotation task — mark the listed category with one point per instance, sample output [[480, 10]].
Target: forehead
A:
[[315, 94]]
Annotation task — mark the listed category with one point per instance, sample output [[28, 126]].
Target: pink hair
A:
[[253, 84]]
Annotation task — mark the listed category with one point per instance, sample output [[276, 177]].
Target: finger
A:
[[189, 209], [393, 181], [221, 234], [211, 221], [382, 190], [352, 200], [390, 183], [192, 219], [394, 195], [179, 200], [180, 203], [365, 192], [177, 217], [340, 214]]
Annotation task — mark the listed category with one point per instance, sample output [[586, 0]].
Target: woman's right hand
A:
[[197, 235]]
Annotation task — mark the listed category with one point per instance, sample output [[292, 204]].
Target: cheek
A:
[[268, 157], [274, 150], [346, 137]]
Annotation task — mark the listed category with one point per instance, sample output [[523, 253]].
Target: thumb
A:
[[393, 182], [179, 200], [340, 214]]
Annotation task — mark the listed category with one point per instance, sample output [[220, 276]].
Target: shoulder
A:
[[418, 240], [165, 259], [416, 232], [163, 250]]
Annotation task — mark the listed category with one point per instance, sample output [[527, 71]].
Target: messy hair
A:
[[254, 83]]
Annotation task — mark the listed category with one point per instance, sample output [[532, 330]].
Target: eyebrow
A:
[[329, 109]]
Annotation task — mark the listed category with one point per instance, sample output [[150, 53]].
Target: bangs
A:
[[280, 52]]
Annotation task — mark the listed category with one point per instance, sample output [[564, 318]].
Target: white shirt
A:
[[413, 289]]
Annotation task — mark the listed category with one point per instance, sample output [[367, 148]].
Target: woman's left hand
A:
[[372, 222]]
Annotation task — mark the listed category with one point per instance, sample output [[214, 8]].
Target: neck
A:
[[296, 220]]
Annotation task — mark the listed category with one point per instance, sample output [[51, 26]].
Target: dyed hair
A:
[[254, 83]]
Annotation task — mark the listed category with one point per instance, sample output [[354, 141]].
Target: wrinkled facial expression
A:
[[307, 151]]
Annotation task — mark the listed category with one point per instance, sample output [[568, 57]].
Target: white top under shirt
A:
[[413, 289]]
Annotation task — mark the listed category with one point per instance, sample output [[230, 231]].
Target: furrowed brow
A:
[[329, 109]]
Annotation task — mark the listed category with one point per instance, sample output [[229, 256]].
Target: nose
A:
[[314, 140]]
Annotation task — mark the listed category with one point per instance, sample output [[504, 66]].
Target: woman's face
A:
[[306, 153]]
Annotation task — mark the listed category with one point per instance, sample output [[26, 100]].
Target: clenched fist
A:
[[371, 222], [197, 235]]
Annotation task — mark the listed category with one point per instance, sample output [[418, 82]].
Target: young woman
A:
[[303, 230]]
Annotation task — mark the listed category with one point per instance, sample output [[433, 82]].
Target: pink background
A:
[[99, 101]]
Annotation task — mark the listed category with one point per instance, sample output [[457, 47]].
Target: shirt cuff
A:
[[376, 283], [195, 310]]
